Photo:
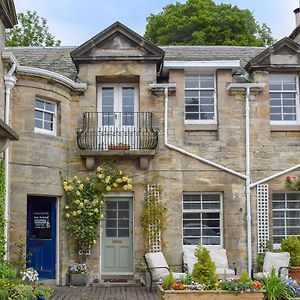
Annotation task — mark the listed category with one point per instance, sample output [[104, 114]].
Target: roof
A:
[[55, 59], [207, 53], [8, 13], [58, 59]]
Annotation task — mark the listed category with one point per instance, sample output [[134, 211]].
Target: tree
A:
[[203, 22], [32, 30]]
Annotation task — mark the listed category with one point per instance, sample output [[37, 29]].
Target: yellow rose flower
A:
[[74, 213], [124, 179], [75, 178], [99, 169], [120, 173], [85, 201], [65, 183], [125, 187], [81, 204], [77, 201], [66, 207], [129, 180], [108, 188], [78, 211], [94, 241], [90, 214], [100, 176], [115, 184], [129, 186], [119, 180], [78, 181], [87, 179], [67, 215], [81, 187], [96, 210], [78, 193], [101, 216]]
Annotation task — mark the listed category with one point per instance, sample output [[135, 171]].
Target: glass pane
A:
[[123, 232], [293, 230], [39, 104], [278, 196], [207, 82], [123, 223], [195, 197], [292, 214], [188, 216], [192, 101], [191, 205], [38, 124], [275, 117], [211, 232], [111, 232], [191, 94], [50, 106], [48, 117], [289, 117], [293, 222], [111, 205], [207, 94], [293, 196], [38, 114], [207, 108], [128, 119], [194, 108], [278, 231], [111, 214], [111, 223], [211, 205], [278, 214], [208, 216], [123, 205], [278, 222], [293, 205], [211, 241], [192, 116], [191, 232], [48, 126], [191, 82], [207, 116], [211, 223], [124, 214], [191, 241], [278, 205], [191, 223]]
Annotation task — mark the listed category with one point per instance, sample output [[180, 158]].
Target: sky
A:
[[75, 21]]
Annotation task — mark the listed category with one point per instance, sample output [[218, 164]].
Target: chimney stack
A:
[[297, 15]]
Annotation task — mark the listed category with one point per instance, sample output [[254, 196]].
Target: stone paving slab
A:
[[103, 293]]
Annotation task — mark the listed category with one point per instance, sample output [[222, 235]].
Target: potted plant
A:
[[43, 292], [77, 274], [291, 244]]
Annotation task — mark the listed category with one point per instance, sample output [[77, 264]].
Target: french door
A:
[[117, 114]]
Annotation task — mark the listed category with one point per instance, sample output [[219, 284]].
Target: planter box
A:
[[77, 279], [207, 295]]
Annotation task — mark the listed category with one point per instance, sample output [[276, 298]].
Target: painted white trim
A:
[[196, 64], [76, 86]]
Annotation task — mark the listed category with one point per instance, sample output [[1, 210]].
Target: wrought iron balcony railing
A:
[[103, 131]]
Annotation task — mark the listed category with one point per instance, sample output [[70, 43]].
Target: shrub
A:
[[168, 281], [44, 291], [7, 272], [291, 244], [244, 278], [275, 287], [204, 270], [21, 292]]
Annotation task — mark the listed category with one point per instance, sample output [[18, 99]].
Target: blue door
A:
[[41, 235]]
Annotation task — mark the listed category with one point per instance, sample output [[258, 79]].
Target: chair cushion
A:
[[260, 275], [189, 259], [219, 257], [225, 271], [157, 259], [276, 260]]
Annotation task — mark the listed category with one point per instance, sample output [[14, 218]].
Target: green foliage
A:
[[293, 182], [43, 290], [2, 210], [168, 281], [275, 288], [19, 261], [291, 244], [85, 202], [7, 272], [203, 22], [204, 270], [32, 30], [261, 256], [186, 279], [21, 292], [154, 213], [244, 277]]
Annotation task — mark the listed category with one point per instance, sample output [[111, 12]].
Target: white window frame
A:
[[285, 122], [214, 120], [276, 245], [41, 130], [220, 211]]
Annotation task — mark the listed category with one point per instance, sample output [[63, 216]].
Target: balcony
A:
[[117, 134]]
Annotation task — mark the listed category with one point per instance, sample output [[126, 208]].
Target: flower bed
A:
[[206, 295]]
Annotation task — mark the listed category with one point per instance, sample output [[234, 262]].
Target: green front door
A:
[[116, 254]]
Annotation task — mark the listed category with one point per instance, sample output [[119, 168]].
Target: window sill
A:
[[201, 127], [285, 127]]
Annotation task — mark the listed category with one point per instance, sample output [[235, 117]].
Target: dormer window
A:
[[284, 99], [200, 99]]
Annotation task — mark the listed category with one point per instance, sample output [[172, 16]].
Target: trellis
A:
[[154, 241], [262, 202]]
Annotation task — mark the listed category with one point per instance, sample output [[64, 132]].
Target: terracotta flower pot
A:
[[294, 272]]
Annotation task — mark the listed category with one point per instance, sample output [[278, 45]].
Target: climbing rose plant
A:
[[85, 202], [293, 182]]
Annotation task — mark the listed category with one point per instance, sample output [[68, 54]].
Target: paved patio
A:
[[103, 293]]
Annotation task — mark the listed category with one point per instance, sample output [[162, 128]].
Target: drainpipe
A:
[[9, 81], [247, 183]]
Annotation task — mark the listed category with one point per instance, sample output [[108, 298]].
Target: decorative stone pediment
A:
[[117, 42], [282, 56]]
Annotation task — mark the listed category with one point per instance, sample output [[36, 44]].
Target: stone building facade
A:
[[123, 84]]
